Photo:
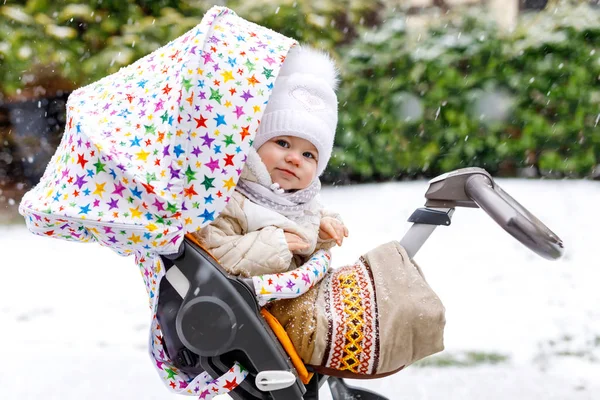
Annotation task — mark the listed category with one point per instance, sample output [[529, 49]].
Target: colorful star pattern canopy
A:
[[155, 151]]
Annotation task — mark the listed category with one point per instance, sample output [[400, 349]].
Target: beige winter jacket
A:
[[248, 239]]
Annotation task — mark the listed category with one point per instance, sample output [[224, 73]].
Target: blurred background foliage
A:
[[458, 93]]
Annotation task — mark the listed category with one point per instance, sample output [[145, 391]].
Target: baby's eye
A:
[[308, 154], [282, 143]]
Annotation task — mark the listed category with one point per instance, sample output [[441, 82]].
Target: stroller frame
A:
[[196, 285]]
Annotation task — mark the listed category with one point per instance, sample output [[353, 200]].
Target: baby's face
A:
[[291, 161]]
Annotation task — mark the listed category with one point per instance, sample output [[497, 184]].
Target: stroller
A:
[[153, 153]]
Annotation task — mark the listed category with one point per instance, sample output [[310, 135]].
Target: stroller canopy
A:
[[155, 150]]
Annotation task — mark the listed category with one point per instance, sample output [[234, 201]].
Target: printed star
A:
[[187, 84], [99, 167], [135, 239], [201, 122], [135, 142], [306, 278], [207, 216], [252, 80], [249, 65], [189, 192], [207, 58], [246, 96], [84, 209], [99, 189], [209, 199], [264, 291], [256, 109], [196, 151], [190, 174], [230, 385], [81, 160], [142, 155], [150, 129], [135, 212], [213, 164], [151, 177], [165, 117], [229, 159], [178, 150], [174, 172], [229, 183], [220, 120], [171, 208], [227, 76], [245, 132], [149, 188], [207, 140], [228, 140], [208, 182], [80, 181], [158, 205], [136, 192], [215, 95], [118, 189], [239, 111], [113, 203], [267, 72]]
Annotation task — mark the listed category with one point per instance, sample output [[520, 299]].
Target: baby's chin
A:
[[285, 185]]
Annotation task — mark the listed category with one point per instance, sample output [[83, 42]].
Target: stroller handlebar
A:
[[513, 217], [475, 187]]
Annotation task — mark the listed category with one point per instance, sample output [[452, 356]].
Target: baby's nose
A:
[[293, 157]]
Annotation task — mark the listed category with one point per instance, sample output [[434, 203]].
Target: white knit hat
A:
[[303, 102]]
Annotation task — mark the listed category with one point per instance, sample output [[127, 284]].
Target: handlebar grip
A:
[[513, 217]]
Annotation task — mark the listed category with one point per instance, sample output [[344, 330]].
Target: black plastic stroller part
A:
[[218, 323], [429, 216], [340, 390]]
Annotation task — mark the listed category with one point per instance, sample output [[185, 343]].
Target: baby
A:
[[274, 221], [368, 319]]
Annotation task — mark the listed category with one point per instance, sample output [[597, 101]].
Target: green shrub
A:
[[465, 96], [462, 95]]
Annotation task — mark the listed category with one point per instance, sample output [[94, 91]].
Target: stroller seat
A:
[[238, 332]]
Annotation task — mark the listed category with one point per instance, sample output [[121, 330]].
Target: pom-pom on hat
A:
[[303, 103]]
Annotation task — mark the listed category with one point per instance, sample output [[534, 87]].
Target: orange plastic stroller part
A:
[[288, 346], [276, 327]]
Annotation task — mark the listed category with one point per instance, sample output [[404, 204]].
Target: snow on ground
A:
[[60, 340]]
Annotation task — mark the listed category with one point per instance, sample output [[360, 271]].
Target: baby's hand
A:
[[331, 228], [295, 242]]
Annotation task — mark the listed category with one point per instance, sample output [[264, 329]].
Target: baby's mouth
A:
[[287, 172]]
